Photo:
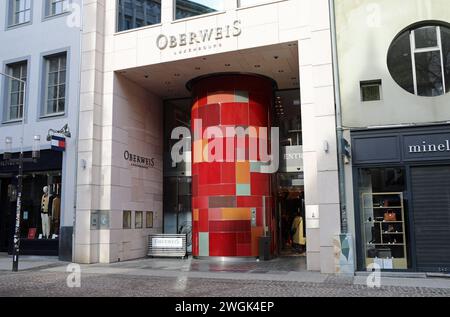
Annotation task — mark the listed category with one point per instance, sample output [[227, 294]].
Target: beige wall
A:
[[366, 29]]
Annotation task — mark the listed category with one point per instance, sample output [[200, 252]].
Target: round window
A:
[[419, 60]]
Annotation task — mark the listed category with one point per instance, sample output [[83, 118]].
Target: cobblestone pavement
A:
[[194, 278], [49, 284]]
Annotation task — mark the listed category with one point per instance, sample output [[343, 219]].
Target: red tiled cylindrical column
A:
[[230, 194]]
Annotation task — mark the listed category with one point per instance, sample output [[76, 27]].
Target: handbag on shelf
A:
[[390, 215]]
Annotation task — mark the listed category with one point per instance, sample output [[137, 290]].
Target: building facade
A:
[[40, 45], [394, 66], [137, 58]]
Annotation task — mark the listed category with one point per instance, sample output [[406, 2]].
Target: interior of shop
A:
[[41, 209]]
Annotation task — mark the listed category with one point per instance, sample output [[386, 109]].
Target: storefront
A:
[[402, 198], [41, 213]]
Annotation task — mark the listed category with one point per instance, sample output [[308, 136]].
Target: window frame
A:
[[48, 5], [175, 19], [45, 77], [129, 215], [133, 27], [136, 224], [415, 50], [11, 13], [4, 92], [21, 91]]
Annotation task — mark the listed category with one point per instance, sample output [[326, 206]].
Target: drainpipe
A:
[[339, 128]]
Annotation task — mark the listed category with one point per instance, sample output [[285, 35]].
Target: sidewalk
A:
[[27, 262], [277, 270]]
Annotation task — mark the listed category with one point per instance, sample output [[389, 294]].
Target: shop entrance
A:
[[290, 206]]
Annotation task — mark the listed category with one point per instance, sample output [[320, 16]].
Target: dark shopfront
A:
[[402, 198], [45, 173]]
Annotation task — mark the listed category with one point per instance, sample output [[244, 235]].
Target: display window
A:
[[384, 218], [41, 206]]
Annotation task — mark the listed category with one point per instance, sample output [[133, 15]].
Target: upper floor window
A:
[[19, 12], [55, 7], [15, 91], [419, 60], [245, 3], [134, 14], [55, 84], [188, 8]]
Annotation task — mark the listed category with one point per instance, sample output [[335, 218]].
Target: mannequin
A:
[[44, 213]]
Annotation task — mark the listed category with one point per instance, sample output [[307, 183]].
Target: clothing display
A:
[[56, 213], [44, 203], [45, 225], [298, 237]]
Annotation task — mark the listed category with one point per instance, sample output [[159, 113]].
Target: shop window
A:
[[15, 91], [55, 7], [134, 14], [189, 8], [149, 219], [19, 12], [419, 60], [126, 219], [138, 220], [384, 218], [370, 90]]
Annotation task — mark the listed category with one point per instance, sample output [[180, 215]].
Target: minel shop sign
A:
[[403, 145], [204, 36]]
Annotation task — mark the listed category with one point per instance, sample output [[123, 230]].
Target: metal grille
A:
[[431, 199]]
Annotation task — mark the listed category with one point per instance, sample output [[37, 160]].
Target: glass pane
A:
[[429, 74], [244, 3], [445, 36], [61, 105], [384, 217], [53, 62], [14, 99], [137, 13], [62, 77], [400, 62], [51, 106], [52, 92], [187, 8], [426, 37], [62, 91], [13, 113], [53, 79]]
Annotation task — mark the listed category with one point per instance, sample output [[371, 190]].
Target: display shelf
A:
[[384, 240]]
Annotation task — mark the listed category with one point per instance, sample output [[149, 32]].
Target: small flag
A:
[[58, 144]]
